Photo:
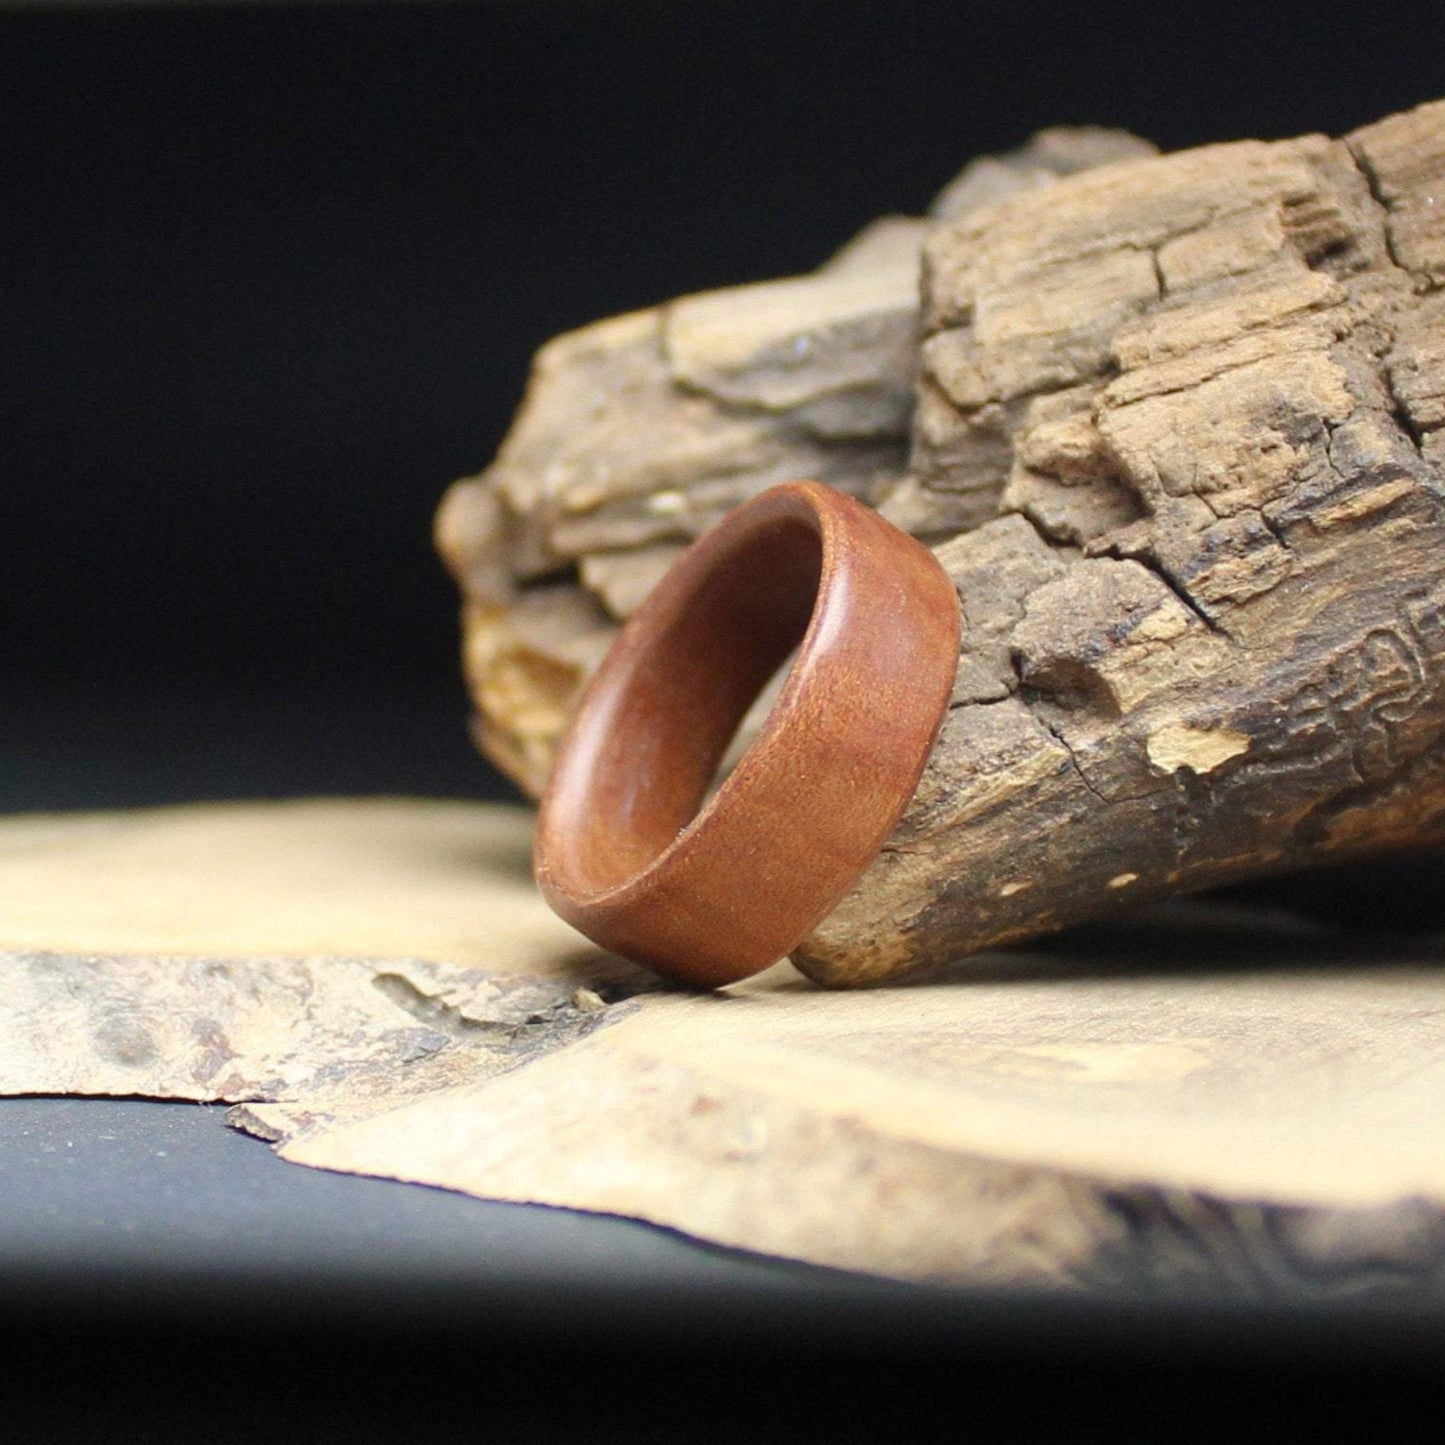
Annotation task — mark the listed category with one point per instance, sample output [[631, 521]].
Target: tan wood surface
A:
[[1204, 1100]]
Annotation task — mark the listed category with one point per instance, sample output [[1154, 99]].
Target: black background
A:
[[270, 278]]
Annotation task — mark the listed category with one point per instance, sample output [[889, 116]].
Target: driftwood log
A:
[[1173, 424]]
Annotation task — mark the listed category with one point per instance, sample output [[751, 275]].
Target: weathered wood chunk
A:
[[1237, 668], [1176, 434], [637, 433]]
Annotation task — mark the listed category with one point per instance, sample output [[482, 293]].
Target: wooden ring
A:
[[710, 891]]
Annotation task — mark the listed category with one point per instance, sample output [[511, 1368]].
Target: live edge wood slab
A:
[[1173, 425], [1204, 1102]]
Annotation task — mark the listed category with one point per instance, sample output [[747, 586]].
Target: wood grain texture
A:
[[708, 884], [1175, 433], [1202, 1102], [1234, 663], [343, 951], [637, 433]]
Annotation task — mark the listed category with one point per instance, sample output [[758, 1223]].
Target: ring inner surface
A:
[[671, 725]]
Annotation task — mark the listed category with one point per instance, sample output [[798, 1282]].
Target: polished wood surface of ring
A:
[[631, 849]]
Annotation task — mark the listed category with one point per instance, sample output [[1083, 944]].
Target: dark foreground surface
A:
[[164, 1278]]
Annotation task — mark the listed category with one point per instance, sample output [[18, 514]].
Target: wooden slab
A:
[[1198, 1099]]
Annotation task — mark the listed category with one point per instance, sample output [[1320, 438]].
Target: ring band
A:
[[711, 891]]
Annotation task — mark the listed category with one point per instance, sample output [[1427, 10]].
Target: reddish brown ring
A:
[[709, 892]]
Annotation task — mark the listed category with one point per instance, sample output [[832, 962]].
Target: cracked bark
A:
[[1176, 432]]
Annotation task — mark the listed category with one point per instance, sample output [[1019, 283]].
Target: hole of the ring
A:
[[696, 701], [747, 729]]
